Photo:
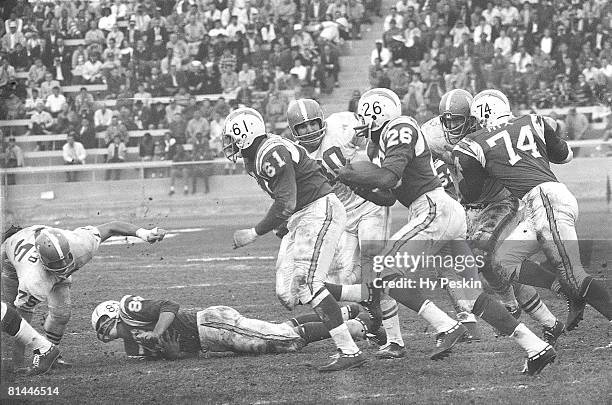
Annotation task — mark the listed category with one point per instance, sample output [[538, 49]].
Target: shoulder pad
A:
[[471, 148]]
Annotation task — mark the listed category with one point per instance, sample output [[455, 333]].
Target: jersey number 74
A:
[[525, 143]]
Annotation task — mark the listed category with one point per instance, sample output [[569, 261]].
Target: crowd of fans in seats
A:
[[541, 54], [252, 52]]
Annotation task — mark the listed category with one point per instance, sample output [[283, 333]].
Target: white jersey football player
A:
[[158, 328], [38, 262], [489, 219], [333, 143]]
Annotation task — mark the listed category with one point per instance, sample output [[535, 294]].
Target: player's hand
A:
[[148, 337], [151, 235], [343, 173], [243, 237], [281, 231], [170, 347]]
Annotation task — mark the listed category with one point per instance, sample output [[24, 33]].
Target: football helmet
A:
[[491, 108], [241, 128], [455, 115], [305, 111], [54, 251], [376, 107], [104, 318]]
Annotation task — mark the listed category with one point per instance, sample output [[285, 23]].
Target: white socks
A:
[[28, 336], [436, 317], [528, 340], [343, 340]]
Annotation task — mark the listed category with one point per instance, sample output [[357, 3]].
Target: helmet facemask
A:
[[311, 139], [456, 126], [62, 267], [105, 326], [230, 147]]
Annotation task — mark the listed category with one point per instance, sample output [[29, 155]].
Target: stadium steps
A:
[[354, 66]]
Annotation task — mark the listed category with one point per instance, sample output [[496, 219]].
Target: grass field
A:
[[198, 268]]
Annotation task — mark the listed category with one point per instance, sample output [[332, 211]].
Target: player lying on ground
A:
[[517, 152], [315, 221], [490, 218], [38, 262], [154, 329], [436, 225], [45, 352], [332, 142]]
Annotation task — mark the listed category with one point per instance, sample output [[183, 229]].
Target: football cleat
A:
[[535, 364], [473, 332], [446, 340], [344, 362], [575, 311], [61, 363], [550, 335], [378, 337], [353, 310], [43, 362], [391, 351], [373, 309]]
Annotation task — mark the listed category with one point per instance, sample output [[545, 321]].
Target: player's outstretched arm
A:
[[119, 228], [162, 325]]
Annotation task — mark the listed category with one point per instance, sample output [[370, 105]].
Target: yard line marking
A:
[[188, 230], [230, 258], [504, 387], [130, 240]]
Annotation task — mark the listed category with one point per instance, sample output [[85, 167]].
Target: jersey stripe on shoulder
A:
[[537, 121], [472, 149]]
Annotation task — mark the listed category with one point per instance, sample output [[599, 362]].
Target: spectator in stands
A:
[[33, 100], [352, 106], [216, 131], [276, 107], [55, 102], [330, 61], [86, 134], [229, 80], [37, 71], [380, 53], [115, 153], [13, 157], [14, 107], [74, 154], [102, 118], [116, 128], [201, 151], [177, 126], [146, 151], [83, 101], [576, 125], [423, 114], [178, 170], [13, 37], [46, 87], [41, 121], [504, 43], [92, 70]]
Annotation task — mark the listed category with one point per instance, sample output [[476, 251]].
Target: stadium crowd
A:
[[541, 54], [240, 52]]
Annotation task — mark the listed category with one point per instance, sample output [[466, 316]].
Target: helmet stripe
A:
[[56, 243], [449, 97], [303, 111]]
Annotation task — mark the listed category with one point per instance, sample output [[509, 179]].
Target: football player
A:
[[153, 329], [517, 152], [38, 262], [45, 352], [332, 142], [492, 216], [315, 221], [436, 224]]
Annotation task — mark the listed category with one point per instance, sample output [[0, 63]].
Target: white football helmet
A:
[[376, 107], [104, 318], [241, 128], [491, 108]]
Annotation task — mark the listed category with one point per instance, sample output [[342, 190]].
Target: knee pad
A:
[[11, 321]]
